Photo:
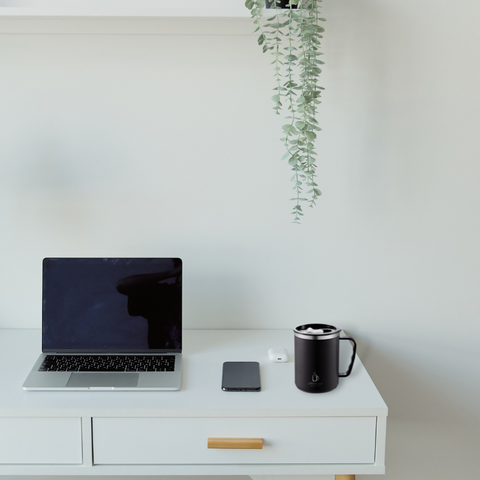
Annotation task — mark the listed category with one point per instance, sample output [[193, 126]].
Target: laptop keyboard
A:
[[108, 363]]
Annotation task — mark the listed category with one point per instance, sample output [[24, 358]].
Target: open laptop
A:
[[110, 324]]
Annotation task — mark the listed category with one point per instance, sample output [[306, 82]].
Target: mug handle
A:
[[349, 371]]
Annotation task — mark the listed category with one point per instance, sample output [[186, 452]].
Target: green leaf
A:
[[310, 136]]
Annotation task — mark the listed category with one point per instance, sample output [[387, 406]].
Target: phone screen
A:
[[241, 377]]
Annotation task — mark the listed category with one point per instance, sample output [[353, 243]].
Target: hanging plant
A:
[[293, 34]]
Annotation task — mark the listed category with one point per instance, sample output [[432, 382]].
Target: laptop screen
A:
[[122, 305]]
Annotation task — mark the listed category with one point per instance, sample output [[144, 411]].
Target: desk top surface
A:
[[201, 394]]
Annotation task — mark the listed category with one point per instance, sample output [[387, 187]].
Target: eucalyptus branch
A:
[[291, 133], [277, 24], [255, 7], [308, 77]]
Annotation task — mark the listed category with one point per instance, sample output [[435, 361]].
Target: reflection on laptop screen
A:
[[112, 304]]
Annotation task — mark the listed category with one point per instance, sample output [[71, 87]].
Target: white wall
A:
[[137, 145]]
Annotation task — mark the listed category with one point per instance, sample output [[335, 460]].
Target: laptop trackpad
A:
[[103, 379]]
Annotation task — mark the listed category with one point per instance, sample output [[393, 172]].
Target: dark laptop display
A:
[[117, 305]]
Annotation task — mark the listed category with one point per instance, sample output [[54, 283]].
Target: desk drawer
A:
[[40, 441], [135, 441]]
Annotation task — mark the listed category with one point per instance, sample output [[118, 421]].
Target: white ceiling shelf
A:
[[124, 8]]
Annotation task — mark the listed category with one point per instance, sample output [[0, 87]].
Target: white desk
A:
[[112, 433]]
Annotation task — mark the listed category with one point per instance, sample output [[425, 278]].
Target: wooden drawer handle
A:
[[235, 443]]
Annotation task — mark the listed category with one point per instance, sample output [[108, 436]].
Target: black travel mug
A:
[[317, 349]]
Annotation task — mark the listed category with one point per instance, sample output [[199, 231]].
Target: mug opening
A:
[[316, 329]]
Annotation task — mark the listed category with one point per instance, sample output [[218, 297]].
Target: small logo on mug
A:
[[314, 383]]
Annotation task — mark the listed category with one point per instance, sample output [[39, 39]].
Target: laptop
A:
[[110, 324]]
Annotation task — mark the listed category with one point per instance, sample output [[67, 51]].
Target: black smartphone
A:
[[241, 377]]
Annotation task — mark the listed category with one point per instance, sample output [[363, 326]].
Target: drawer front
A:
[[319, 440], [40, 441]]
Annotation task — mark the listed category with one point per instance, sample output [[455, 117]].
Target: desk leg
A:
[[344, 477]]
